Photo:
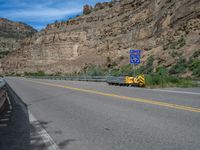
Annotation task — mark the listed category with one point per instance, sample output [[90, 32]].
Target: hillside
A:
[[168, 32], [11, 34]]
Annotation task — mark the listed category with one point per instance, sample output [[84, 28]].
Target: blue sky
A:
[[38, 13]]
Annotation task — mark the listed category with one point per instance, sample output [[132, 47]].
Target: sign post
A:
[[134, 58]]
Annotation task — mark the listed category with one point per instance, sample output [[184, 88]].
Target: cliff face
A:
[[163, 29], [11, 34]]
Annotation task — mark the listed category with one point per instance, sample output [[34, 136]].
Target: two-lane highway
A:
[[96, 116]]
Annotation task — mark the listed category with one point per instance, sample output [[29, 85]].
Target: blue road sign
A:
[[135, 57]]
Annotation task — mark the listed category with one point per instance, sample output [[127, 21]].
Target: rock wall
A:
[[111, 30], [11, 34]]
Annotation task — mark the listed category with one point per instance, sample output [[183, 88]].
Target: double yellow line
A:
[[146, 101]]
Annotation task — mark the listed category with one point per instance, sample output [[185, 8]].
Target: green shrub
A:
[[145, 69], [127, 70], [179, 67], [156, 80], [152, 80], [149, 65], [95, 71], [140, 70], [39, 73], [196, 53], [172, 79], [4, 53], [194, 66], [174, 53], [58, 74], [185, 83], [162, 71], [194, 63], [196, 72], [177, 44], [18, 74], [115, 72]]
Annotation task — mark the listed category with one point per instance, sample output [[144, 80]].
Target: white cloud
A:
[[43, 13], [38, 13]]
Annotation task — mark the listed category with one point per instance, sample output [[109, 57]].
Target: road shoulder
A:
[[20, 130]]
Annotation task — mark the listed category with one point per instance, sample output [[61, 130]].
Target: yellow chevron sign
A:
[[141, 80]]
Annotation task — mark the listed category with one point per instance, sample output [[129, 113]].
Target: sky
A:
[[39, 13]]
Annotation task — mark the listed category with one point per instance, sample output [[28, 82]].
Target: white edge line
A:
[[48, 141], [170, 91]]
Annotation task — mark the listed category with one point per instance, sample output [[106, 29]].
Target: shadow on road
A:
[[16, 131], [63, 144]]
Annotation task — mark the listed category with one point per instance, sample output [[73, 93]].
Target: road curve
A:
[[96, 116]]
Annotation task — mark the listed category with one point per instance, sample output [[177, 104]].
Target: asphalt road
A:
[[96, 116]]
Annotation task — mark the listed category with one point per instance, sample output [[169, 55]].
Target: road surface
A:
[[96, 116]]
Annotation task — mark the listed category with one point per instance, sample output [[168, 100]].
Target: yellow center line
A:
[[141, 100]]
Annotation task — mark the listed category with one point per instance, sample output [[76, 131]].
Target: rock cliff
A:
[[11, 34], [164, 29]]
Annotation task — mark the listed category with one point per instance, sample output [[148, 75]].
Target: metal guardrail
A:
[[121, 80], [2, 94], [74, 78]]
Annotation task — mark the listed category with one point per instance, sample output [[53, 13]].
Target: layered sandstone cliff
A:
[[163, 29]]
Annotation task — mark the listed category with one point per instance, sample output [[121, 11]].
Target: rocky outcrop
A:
[[11, 34], [163, 29]]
